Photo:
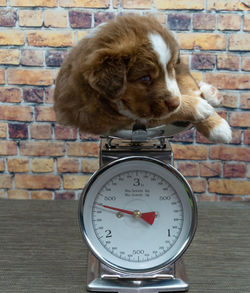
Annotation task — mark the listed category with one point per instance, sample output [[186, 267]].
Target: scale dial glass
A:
[[137, 214]]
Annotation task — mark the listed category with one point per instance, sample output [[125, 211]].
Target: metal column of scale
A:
[[137, 215]]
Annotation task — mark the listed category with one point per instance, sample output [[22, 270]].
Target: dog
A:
[[129, 70]]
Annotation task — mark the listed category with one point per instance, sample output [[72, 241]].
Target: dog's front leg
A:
[[192, 109]]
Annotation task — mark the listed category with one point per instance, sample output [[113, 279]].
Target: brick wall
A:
[[42, 160]]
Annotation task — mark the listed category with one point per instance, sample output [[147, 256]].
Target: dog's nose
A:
[[173, 103]]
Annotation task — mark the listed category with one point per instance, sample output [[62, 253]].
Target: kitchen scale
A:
[[137, 215]]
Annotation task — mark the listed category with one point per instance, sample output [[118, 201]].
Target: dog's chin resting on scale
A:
[[129, 70]]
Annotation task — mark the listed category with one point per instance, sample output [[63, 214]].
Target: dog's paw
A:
[[221, 133], [203, 110], [211, 94]]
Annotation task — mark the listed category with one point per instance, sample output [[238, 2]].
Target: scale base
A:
[[141, 286], [100, 278]]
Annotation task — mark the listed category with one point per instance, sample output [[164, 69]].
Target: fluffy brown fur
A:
[[114, 77]]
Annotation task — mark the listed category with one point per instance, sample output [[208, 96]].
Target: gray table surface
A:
[[41, 248]]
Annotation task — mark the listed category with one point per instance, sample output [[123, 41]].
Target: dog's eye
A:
[[147, 79]]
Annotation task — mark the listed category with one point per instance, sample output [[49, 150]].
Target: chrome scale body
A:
[[102, 278]]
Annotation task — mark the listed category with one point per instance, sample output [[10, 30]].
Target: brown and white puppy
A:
[[128, 70]]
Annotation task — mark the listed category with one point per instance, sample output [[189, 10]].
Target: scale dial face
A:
[[137, 214]]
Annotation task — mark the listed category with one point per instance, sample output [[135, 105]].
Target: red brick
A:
[[40, 131], [227, 186], [229, 21], [239, 119], [188, 168], [42, 165], [45, 113], [41, 148], [245, 101], [231, 81], [236, 137], [239, 42], [10, 95], [190, 152], [247, 22], [178, 21], [50, 38], [41, 194], [136, 4], [16, 113], [55, 18], [5, 181], [230, 100], [229, 153], [247, 137], [206, 197], [186, 136], [101, 17], [83, 149], [179, 5], [8, 148], [204, 21], [65, 195], [18, 131], [202, 61], [74, 181], [9, 56], [234, 170], [33, 3], [32, 57], [202, 41], [2, 165], [37, 181], [226, 5], [17, 165], [12, 37], [49, 92], [30, 76], [3, 128], [208, 169], [18, 194], [228, 62], [65, 133], [231, 198], [90, 165], [245, 65], [67, 165], [80, 19], [54, 58], [2, 76], [33, 95], [85, 3], [32, 18], [197, 184]]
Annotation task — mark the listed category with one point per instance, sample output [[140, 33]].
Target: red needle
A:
[[147, 217]]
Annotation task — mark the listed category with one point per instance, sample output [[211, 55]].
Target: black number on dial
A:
[[108, 233]]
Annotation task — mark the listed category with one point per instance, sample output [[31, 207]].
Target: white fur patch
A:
[[164, 54], [127, 113], [203, 109], [210, 93], [221, 133]]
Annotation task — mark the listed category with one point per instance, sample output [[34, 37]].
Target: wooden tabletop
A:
[[41, 248]]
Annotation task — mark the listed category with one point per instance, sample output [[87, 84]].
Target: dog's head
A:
[[134, 67]]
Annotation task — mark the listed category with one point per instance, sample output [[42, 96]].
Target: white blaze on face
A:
[[164, 54]]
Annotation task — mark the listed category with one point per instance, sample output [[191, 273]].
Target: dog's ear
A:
[[105, 71]]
